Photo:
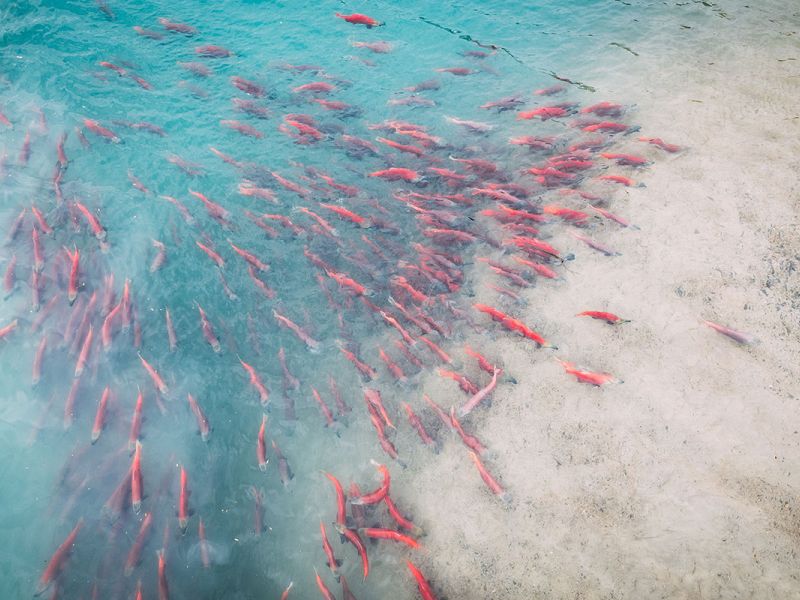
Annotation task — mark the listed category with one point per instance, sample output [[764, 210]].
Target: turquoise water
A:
[[51, 80]]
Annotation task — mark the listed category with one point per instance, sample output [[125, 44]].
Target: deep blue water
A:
[[51, 80]]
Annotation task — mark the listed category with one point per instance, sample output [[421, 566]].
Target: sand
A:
[[683, 481]]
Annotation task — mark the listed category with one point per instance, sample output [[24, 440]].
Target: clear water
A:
[[49, 65]]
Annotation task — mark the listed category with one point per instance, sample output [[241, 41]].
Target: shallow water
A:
[[52, 80]]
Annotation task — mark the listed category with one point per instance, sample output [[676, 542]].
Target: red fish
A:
[[326, 412], [424, 587], [550, 91], [289, 380], [6, 330], [303, 129], [214, 210], [242, 128], [99, 417], [353, 537], [247, 188], [74, 258], [261, 445], [290, 185], [136, 549], [397, 174], [608, 317], [490, 481], [220, 262], [84, 354], [360, 19], [256, 382], [373, 397], [376, 47], [416, 423], [503, 104], [98, 129], [478, 397], [136, 422], [69, 405], [200, 417], [136, 478], [346, 282], [341, 507], [610, 126], [258, 511], [97, 229], [483, 363], [208, 331], [533, 142], [326, 547], [37, 361], [183, 502], [621, 179], [443, 356], [38, 259], [285, 594], [265, 289], [323, 589], [157, 381], [172, 339], [327, 227], [388, 534], [544, 113], [204, 554], [458, 71], [737, 336], [392, 366], [594, 245], [366, 371], [603, 109], [106, 331], [539, 268], [25, 152], [136, 183], [341, 406], [589, 377], [9, 279], [395, 513], [470, 441], [57, 561], [463, 382], [284, 470], [160, 257], [177, 27], [409, 149], [248, 87], [312, 344], [576, 216], [249, 257], [345, 213], [211, 51], [610, 216], [40, 220], [322, 87], [377, 495], [625, 159], [226, 158], [661, 144], [163, 587], [196, 68]]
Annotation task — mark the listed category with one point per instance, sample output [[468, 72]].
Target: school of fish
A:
[[392, 243]]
